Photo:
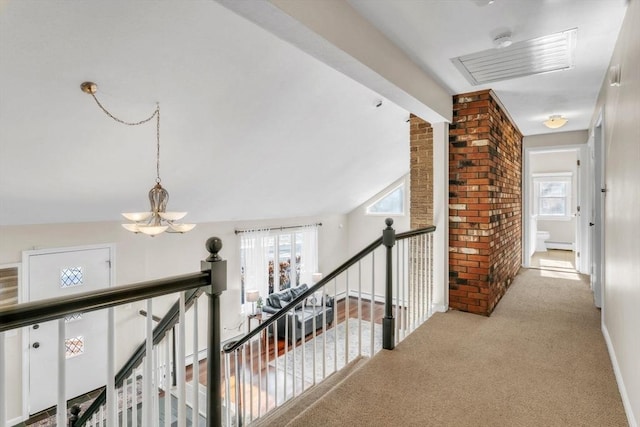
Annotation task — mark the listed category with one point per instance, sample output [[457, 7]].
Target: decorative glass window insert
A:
[[553, 196], [391, 203], [74, 346], [73, 317], [72, 276]]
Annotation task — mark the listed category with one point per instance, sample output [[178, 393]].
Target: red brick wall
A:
[[485, 202], [421, 165]]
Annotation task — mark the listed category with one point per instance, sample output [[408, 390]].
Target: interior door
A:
[[64, 272], [597, 216]]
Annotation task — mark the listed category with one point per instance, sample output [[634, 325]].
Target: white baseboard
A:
[[566, 246], [379, 298], [440, 308], [16, 420], [621, 387]]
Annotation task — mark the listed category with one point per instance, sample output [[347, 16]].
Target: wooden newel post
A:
[[75, 410], [388, 322], [218, 284]]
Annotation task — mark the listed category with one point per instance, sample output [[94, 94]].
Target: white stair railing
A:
[[302, 344], [133, 395]]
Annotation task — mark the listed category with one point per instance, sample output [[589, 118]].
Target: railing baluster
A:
[[397, 299], [260, 376], [147, 377], [275, 351], [346, 318], [293, 340], [112, 398], [302, 343], [61, 412], [156, 386], [324, 336], [250, 381], [180, 371], [3, 394], [227, 388], [167, 380], [237, 389], [359, 308], [134, 398], [125, 406], [315, 348], [372, 302], [335, 322], [195, 370]]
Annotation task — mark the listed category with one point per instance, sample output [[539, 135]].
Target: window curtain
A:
[[255, 264], [309, 253]]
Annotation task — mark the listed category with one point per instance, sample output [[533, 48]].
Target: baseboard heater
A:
[[566, 246]]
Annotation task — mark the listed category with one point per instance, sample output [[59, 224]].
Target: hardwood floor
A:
[[258, 372]]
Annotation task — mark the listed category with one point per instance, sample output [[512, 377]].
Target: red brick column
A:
[[485, 202], [421, 165]]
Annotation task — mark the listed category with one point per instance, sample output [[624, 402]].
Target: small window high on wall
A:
[[391, 203], [552, 196]]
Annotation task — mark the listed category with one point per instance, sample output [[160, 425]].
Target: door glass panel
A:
[[75, 346], [72, 276], [73, 317]]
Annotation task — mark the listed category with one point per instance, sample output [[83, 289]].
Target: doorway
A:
[[555, 221], [64, 272]]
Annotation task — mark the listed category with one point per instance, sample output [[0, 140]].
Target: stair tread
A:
[[290, 409]]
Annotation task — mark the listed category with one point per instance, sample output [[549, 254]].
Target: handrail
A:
[[167, 322], [234, 345], [29, 313]]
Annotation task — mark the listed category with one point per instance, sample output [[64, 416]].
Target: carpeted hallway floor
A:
[[539, 360]]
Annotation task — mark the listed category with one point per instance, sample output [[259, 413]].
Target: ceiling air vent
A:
[[536, 56]]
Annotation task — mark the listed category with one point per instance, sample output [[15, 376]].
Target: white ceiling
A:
[[432, 32], [252, 127]]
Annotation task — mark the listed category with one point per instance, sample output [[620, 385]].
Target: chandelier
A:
[[157, 220]]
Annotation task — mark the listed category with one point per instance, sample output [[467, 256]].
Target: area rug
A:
[[334, 357]]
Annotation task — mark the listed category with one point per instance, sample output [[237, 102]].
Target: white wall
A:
[[621, 296], [364, 229], [556, 139], [140, 258]]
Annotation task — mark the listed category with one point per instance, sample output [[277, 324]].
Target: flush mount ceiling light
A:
[[157, 220], [555, 122], [554, 52]]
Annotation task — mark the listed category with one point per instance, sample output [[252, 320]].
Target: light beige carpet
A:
[[539, 360]]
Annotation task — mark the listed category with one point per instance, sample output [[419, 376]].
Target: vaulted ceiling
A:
[[254, 125]]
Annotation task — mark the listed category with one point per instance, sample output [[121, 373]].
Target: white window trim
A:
[[387, 193], [550, 177]]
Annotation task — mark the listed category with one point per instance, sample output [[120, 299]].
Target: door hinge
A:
[[578, 161], [578, 254], [108, 263]]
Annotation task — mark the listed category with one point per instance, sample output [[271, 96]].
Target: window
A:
[[271, 260], [391, 203], [553, 196]]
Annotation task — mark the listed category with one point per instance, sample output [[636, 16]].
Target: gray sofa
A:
[[301, 318]]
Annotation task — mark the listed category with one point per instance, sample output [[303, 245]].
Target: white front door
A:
[[64, 272]]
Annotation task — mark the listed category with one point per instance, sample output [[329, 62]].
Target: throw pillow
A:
[[315, 300]]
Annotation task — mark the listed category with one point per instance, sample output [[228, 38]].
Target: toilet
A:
[[541, 236]]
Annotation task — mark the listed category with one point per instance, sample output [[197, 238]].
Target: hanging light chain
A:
[[156, 113]]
